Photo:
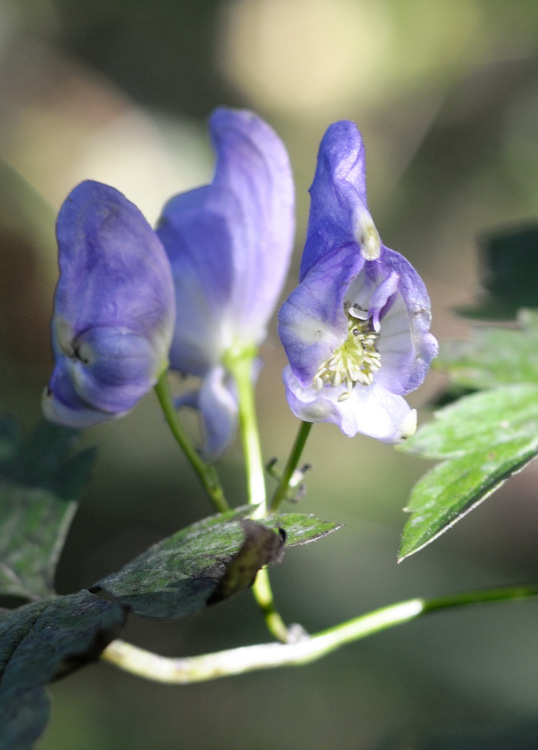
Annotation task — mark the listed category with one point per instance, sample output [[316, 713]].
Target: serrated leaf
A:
[[261, 546], [478, 421], [39, 481], [206, 562], [509, 260], [485, 438], [264, 545], [178, 575], [494, 356], [39, 643], [301, 528]]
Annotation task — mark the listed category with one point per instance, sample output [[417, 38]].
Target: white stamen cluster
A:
[[356, 360]]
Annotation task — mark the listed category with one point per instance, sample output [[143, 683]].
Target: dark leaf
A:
[[33, 526], [260, 547], [178, 575], [207, 562], [39, 643], [510, 267], [39, 481]]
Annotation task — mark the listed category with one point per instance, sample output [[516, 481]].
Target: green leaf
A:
[[479, 421], [178, 575], [39, 643], [39, 482], [260, 547], [510, 268], [264, 544], [485, 438], [301, 528], [207, 562], [494, 356], [33, 526]]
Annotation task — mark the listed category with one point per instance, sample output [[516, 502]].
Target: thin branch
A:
[[305, 650]]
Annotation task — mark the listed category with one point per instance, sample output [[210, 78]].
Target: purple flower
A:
[[114, 308], [356, 329], [229, 245]]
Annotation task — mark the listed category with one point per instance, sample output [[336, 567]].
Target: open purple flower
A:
[[356, 329], [229, 245], [114, 308]]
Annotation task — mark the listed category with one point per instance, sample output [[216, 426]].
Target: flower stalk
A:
[[240, 364], [206, 473], [183, 671], [283, 486]]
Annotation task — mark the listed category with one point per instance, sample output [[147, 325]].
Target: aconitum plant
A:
[[114, 308], [356, 329], [229, 245], [196, 296]]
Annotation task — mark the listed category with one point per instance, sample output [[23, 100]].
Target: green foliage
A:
[[300, 528], [510, 268], [494, 356], [39, 482], [483, 438], [39, 643], [208, 561]]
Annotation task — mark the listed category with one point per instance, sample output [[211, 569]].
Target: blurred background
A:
[[446, 96]]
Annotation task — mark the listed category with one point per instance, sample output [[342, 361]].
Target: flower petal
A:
[[113, 270], [196, 233], [253, 164], [311, 323], [356, 329], [338, 212], [114, 307], [229, 243], [112, 368], [413, 360], [61, 403], [217, 403], [370, 410]]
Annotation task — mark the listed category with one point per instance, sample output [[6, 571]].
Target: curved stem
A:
[[307, 649], [206, 473], [294, 457]]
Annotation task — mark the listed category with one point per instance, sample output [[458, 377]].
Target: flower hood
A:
[[356, 329], [114, 308]]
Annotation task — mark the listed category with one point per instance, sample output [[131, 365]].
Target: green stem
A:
[[240, 366], [486, 596], [305, 650], [206, 473], [282, 489], [265, 600]]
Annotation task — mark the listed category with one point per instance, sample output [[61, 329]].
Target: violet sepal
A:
[[114, 308], [356, 329], [229, 245]]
